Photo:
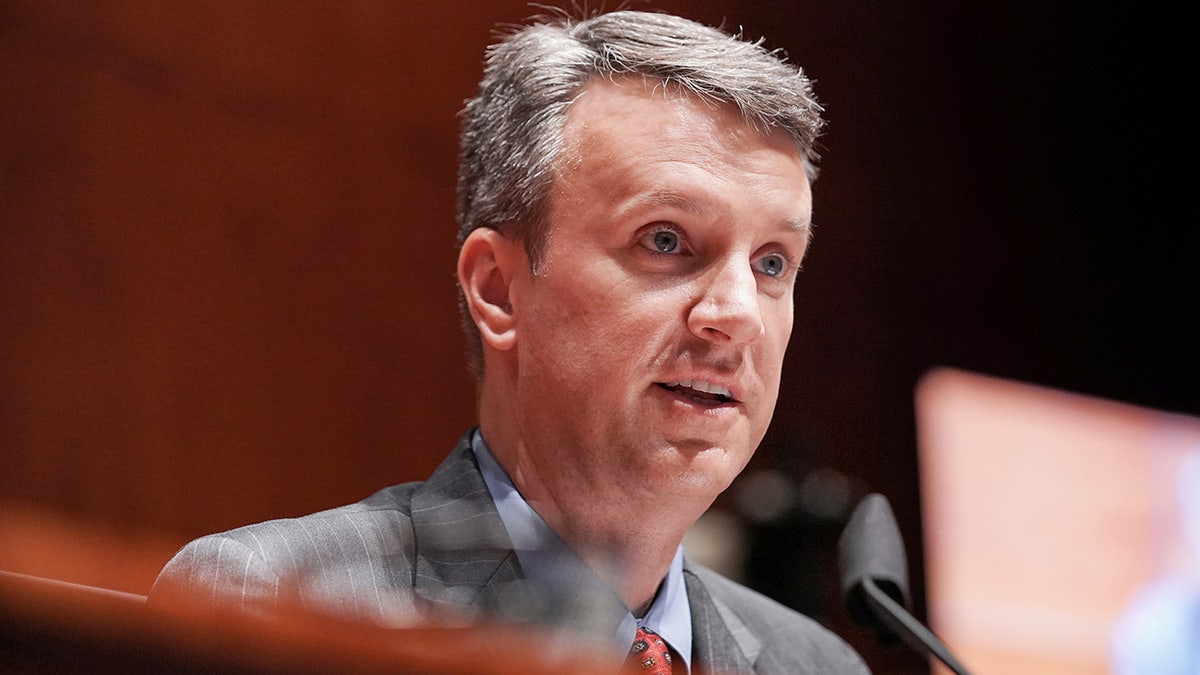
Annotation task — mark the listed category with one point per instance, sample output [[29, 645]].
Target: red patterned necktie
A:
[[650, 653]]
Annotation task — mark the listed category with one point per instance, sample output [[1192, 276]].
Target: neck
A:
[[632, 564], [627, 549], [606, 524]]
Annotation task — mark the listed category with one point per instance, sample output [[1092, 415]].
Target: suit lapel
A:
[[463, 552], [721, 642]]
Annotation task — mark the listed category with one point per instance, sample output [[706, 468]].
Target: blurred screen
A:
[[1062, 532]]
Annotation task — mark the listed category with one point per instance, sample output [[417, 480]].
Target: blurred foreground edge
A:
[[49, 626]]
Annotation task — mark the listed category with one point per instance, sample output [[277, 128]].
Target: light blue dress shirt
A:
[[546, 559]]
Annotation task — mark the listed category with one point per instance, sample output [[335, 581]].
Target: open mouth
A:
[[699, 391]]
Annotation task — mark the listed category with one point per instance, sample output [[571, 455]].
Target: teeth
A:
[[707, 387]]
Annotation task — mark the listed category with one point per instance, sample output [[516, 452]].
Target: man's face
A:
[[651, 340]]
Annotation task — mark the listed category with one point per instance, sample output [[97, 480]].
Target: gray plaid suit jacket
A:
[[420, 548]]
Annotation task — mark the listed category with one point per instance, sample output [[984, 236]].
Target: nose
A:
[[727, 309]]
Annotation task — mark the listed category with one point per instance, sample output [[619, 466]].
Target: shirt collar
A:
[[547, 560], [670, 614]]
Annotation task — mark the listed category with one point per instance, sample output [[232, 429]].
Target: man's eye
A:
[[664, 241], [773, 265]]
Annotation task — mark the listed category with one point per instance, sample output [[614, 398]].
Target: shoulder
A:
[[334, 554], [789, 641]]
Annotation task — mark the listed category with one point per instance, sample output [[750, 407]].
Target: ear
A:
[[486, 263]]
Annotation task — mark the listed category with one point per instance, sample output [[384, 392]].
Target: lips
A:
[[700, 390]]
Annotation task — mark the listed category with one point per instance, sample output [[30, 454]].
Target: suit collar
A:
[[721, 641], [464, 557], [465, 563]]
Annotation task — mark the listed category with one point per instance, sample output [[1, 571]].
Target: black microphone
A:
[[875, 580]]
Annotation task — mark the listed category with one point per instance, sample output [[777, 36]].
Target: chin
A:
[[729, 449], [711, 470]]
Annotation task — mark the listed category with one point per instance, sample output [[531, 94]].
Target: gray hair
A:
[[512, 129]]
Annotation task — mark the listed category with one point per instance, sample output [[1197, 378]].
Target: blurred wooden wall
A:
[[227, 253]]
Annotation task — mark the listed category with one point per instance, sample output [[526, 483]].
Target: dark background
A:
[[226, 248]]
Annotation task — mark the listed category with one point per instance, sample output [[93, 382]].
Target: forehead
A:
[[644, 136], [657, 107]]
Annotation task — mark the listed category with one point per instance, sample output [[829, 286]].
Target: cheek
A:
[[770, 354], [609, 307], [777, 322], [573, 332]]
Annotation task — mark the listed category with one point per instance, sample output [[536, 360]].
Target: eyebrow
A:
[[672, 199], [804, 226], [799, 225]]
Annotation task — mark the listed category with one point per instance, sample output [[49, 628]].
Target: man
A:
[[634, 204]]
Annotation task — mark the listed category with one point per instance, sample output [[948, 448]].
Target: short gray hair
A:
[[512, 129]]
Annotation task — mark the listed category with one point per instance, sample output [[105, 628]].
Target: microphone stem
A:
[[908, 628]]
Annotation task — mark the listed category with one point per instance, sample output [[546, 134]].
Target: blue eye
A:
[[772, 265], [665, 241]]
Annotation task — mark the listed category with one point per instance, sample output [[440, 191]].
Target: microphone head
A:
[[871, 548]]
